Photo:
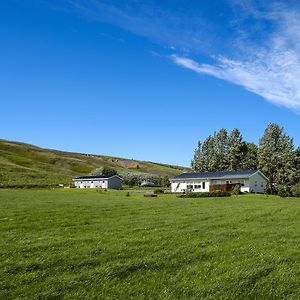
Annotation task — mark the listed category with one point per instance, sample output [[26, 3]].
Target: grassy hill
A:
[[28, 165]]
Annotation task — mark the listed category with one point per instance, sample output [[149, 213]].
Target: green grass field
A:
[[74, 244]]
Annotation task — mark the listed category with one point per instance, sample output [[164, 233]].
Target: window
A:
[[189, 186], [203, 185], [262, 184], [197, 186], [255, 183]]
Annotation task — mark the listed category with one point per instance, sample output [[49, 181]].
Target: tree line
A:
[[133, 178], [275, 155]]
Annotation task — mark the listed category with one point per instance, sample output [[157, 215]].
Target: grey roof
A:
[[94, 177], [216, 175]]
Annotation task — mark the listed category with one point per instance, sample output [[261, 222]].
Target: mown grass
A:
[[75, 244]]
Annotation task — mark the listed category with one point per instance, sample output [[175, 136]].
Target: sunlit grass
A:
[[83, 244]]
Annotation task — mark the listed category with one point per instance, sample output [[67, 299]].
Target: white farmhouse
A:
[[100, 182], [250, 180]]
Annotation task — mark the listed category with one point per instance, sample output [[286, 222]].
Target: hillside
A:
[[28, 165]]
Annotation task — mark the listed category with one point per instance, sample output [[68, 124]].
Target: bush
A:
[[206, 194], [136, 178], [158, 191], [107, 171], [236, 190], [150, 195], [128, 194], [284, 191], [296, 190]]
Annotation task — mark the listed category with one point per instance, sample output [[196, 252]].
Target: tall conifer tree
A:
[[275, 157]]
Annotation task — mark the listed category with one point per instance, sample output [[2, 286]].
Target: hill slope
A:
[[27, 165]]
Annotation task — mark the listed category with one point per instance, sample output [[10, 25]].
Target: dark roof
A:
[[94, 177], [216, 175]]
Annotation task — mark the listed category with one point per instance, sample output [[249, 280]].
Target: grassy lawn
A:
[[75, 244]]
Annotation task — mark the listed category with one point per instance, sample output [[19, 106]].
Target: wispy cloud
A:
[[270, 69], [154, 20], [276, 80]]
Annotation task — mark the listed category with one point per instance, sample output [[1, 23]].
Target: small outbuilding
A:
[[98, 182], [248, 180]]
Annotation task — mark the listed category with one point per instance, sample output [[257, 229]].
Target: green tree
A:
[[296, 190], [109, 171], [236, 151], [297, 165], [198, 164], [276, 157], [250, 160], [209, 153], [221, 148], [163, 181]]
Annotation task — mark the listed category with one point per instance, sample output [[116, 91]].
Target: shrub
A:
[[206, 194], [128, 194], [158, 191], [296, 190], [150, 195], [136, 178], [284, 191], [109, 171], [104, 171], [164, 181], [235, 190]]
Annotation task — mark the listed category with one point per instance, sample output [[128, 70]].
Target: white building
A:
[[253, 180], [100, 182]]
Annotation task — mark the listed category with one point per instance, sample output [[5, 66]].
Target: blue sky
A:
[[145, 79]]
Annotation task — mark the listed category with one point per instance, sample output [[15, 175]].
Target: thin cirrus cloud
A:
[[262, 52], [270, 69], [276, 79]]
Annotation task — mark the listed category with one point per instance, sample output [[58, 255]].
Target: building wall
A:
[[82, 184], [110, 183], [115, 183], [192, 185], [257, 183], [182, 186], [244, 182]]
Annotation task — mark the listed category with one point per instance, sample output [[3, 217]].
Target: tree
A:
[[209, 154], [296, 190], [109, 171], [221, 148], [297, 165], [276, 157], [250, 160], [97, 172], [197, 162], [236, 152], [163, 181]]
